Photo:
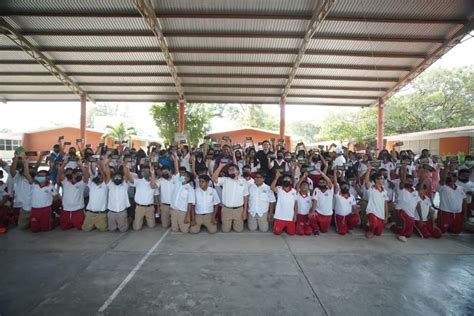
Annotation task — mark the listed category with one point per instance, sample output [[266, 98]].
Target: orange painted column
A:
[[181, 115], [282, 117], [380, 120], [83, 117]]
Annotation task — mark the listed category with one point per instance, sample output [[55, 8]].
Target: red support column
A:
[[83, 117], [181, 115], [282, 117], [380, 122]]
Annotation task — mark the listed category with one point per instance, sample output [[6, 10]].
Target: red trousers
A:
[[320, 223], [280, 225], [450, 222], [346, 223], [408, 224], [40, 219], [376, 225], [68, 219], [302, 225], [427, 229]]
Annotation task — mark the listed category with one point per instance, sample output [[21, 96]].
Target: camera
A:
[[92, 159], [375, 164], [272, 156], [225, 160], [115, 157], [237, 147]]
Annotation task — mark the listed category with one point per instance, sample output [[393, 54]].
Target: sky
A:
[[21, 117]]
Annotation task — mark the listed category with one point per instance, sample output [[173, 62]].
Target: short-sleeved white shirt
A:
[[260, 198], [233, 191], [42, 196], [304, 203], [285, 206], [97, 197], [144, 193], [408, 201], [118, 196], [339, 161], [73, 195], [343, 204], [324, 200], [376, 202], [451, 199], [183, 197], [468, 187], [22, 192], [167, 187], [425, 205], [205, 200]]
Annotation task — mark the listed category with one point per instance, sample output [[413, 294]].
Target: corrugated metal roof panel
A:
[[22, 68], [342, 83], [335, 92], [242, 58], [234, 70], [211, 42], [190, 90], [39, 97], [301, 100], [367, 46], [233, 80], [47, 78], [60, 87], [110, 56], [351, 73], [240, 99], [123, 79], [229, 6], [435, 9], [69, 5], [115, 69], [94, 41], [356, 60], [130, 89]]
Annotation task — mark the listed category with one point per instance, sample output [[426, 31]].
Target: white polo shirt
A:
[[304, 203], [118, 196], [205, 200], [260, 198], [339, 161], [285, 206], [42, 196], [451, 199], [408, 201], [233, 191], [21, 192], [144, 193], [425, 204], [249, 181], [166, 188], [468, 187], [97, 197], [183, 197], [343, 204], [376, 202], [324, 200], [73, 195]]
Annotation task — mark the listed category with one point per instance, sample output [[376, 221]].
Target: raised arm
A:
[[85, 170], [367, 177], [60, 177], [26, 169], [325, 177], [274, 182], [104, 167], [215, 175]]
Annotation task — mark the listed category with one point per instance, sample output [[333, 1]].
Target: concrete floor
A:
[[74, 273]]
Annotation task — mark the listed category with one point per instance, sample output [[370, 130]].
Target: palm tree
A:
[[119, 132]]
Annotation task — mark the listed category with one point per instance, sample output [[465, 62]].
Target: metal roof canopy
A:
[[341, 53]]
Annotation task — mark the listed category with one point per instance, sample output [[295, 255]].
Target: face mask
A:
[[246, 173], [280, 157], [97, 180], [165, 176], [385, 177], [232, 175], [40, 179], [286, 183], [322, 187], [408, 185], [463, 180], [181, 179], [56, 151], [118, 181], [68, 176], [78, 178], [146, 174]]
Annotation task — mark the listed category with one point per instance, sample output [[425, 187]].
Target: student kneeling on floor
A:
[[204, 212], [377, 207], [261, 202], [286, 207], [146, 189], [182, 203], [96, 210]]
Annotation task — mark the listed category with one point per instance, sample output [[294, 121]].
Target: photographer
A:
[[262, 156]]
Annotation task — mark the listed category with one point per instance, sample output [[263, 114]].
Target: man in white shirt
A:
[[167, 184], [72, 214], [234, 198], [286, 209], [96, 209], [118, 202], [261, 201], [340, 159], [21, 192], [145, 191], [204, 212]]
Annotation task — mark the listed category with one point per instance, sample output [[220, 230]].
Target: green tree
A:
[[439, 98], [251, 115], [197, 123], [119, 132], [306, 129]]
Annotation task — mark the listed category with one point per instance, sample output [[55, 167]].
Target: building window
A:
[[9, 144]]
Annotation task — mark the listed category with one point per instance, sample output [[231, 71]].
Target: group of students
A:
[[301, 192]]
